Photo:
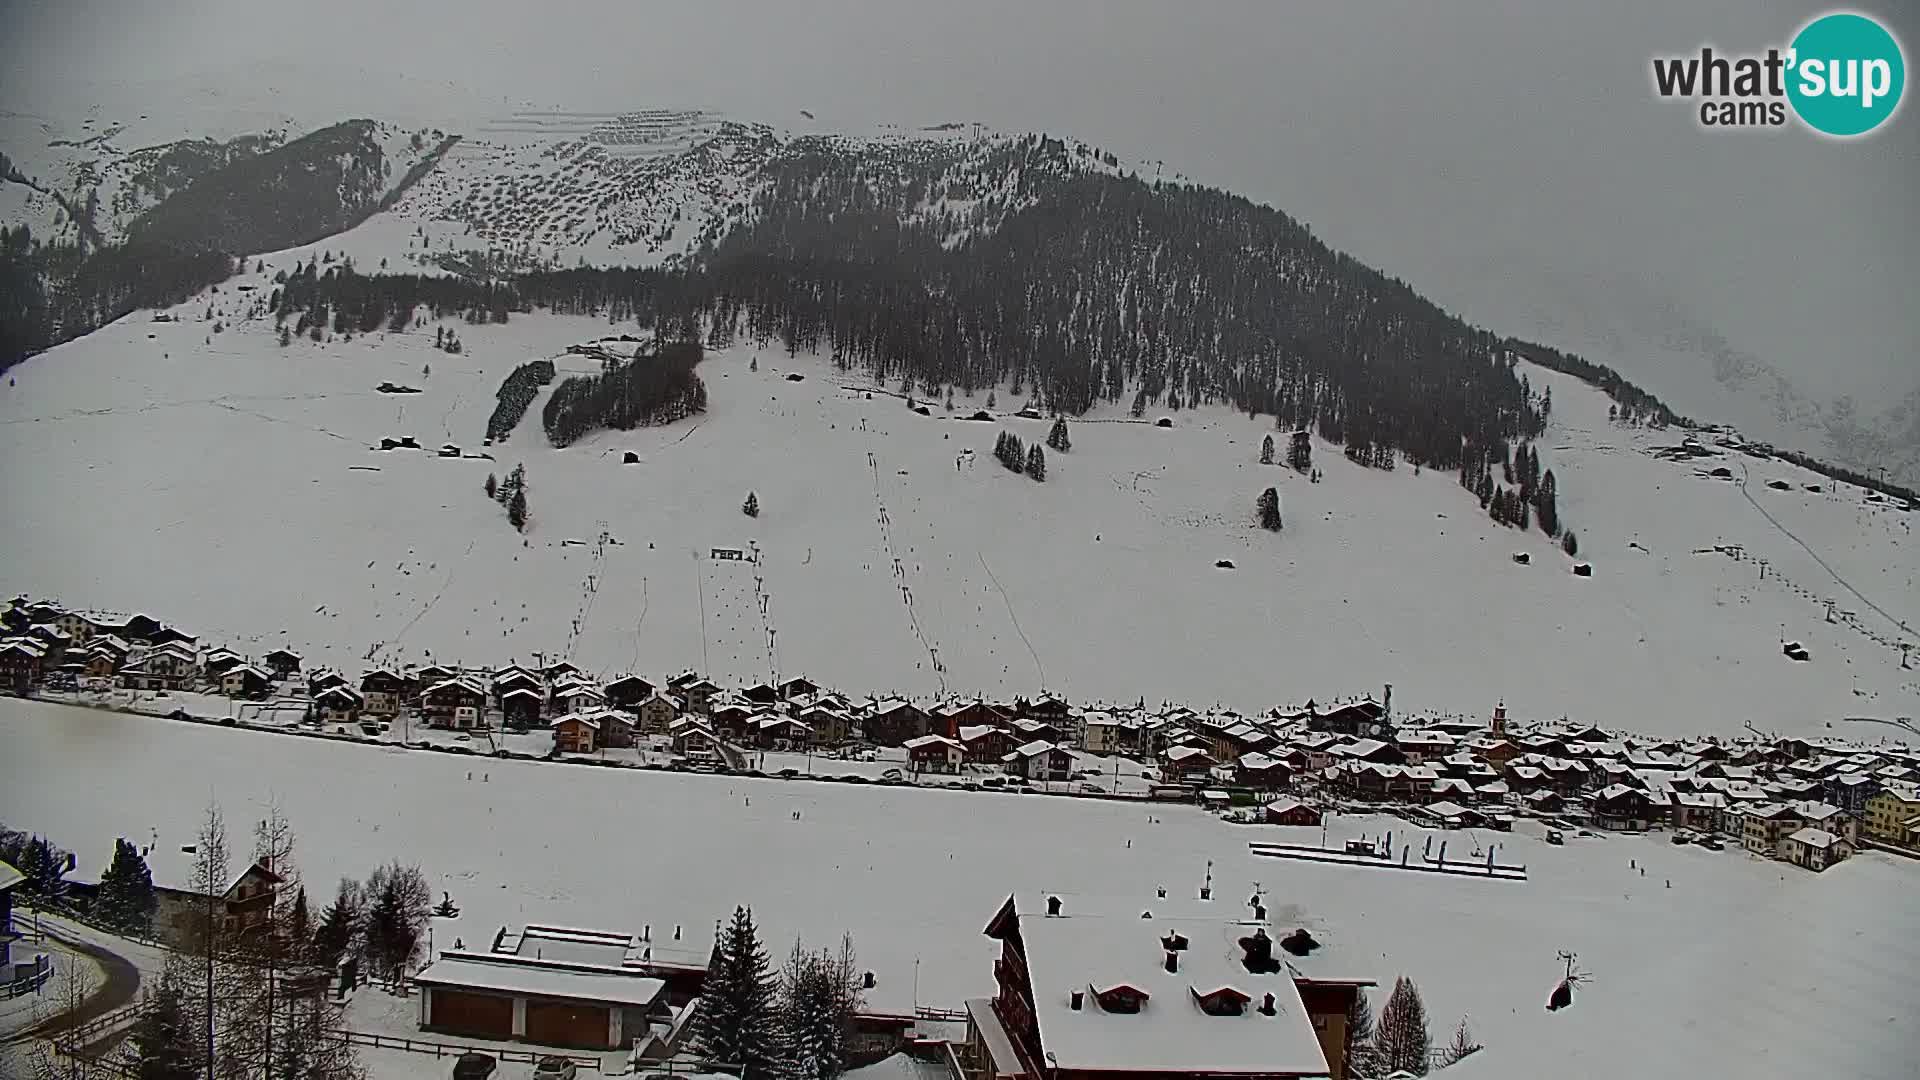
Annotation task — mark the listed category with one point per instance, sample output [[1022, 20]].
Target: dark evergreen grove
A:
[[516, 393], [648, 389]]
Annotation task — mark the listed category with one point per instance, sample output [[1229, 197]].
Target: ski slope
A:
[[229, 484], [1740, 968]]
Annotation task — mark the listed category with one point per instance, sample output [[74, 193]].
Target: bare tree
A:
[[1462, 1047], [1401, 1038]]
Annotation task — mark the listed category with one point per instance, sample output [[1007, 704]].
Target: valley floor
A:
[[1704, 963]]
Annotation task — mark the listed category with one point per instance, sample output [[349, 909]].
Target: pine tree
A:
[[1401, 1037], [1037, 463], [818, 1000], [126, 899], [751, 507], [163, 1039], [991, 400], [517, 509], [493, 487], [1462, 1047], [754, 364], [737, 1023], [299, 924], [1267, 507], [1545, 501], [333, 939], [1570, 544], [1300, 451], [1058, 439], [1362, 1060], [1266, 450]]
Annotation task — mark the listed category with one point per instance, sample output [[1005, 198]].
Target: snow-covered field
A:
[[225, 483], [1740, 968]]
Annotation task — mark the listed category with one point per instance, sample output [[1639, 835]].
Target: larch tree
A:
[[1362, 1061], [1461, 1047], [1401, 1037]]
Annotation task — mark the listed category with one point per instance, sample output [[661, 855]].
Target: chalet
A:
[[1364, 717], [936, 754], [1827, 816], [556, 672], [683, 680], [99, 664], [1423, 746], [163, 667], [384, 691], [1182, 992], [576, 733], [1451, 815], [798, 687], [628, 691], [283, 663], [324, 679], [986, 744], [694, 740], [1699, 810], [1815, 849], [893, 721], [1373, 751], [338, 705], [1543, 802], [773, 731], [219, 661], [1622, 808], [831, 725], [577, 696], [698, 694], [1452, 787], [1850, 791], [1039, 760], [454, 703], [1186, 764], [761, 694], [1493, 791], [522, 707], [180, 913], [515, 678], [730, 718], [1047, 709], [1290, 812], [21, 662], [1766, 826], [1493, 750], [1257, 770], [657, 713], [81, 627], [1031, 730], [246, 681]]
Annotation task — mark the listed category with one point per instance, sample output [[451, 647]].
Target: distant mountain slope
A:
[[199, 206]]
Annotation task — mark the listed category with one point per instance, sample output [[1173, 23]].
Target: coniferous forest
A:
[[656, 388], [1082, 287]]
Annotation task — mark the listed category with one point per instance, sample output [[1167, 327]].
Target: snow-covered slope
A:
[[1703, 963], [227, 483]]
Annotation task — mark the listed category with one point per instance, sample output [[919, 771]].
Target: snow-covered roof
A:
[[1445, 809], [1085, 952], [9, 877], [1034, 748], [1812, 837], [485, 972], [932, 740]]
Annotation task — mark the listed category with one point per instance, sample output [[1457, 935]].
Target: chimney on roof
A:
[[1079, 998], [1259, 913], [866, 982], [1053, 905], [1266, 1005], [1173, 961]]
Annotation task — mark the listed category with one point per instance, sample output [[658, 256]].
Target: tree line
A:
[[651, 388]]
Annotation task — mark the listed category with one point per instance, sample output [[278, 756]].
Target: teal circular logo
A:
[[1846, 75]]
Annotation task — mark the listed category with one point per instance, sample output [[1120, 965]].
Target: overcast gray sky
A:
[[1508, 159]]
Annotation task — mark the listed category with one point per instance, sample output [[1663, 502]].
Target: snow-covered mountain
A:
[[235, 485]]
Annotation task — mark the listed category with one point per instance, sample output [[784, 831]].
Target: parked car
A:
[[1554, 837], [474, 1066], [554, 1067]]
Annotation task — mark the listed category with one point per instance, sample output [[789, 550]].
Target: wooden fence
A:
[[440, 1049]]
